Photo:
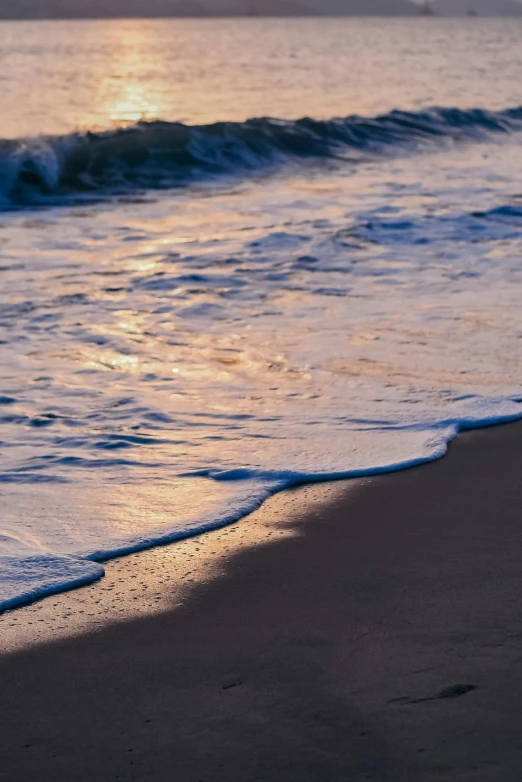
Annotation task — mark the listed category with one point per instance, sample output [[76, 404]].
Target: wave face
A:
[[160, 155]]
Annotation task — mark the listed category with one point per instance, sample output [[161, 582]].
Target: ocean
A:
[[238, 255]]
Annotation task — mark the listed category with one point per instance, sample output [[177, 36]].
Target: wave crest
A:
[[165, 155]]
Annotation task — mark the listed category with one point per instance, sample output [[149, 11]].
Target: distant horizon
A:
[[240, 16], [62, 10]]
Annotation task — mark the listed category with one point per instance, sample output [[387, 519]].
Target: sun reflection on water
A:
[[126, 94], [132, 105]]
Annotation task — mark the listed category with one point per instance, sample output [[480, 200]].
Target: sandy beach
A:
[[378, 638]]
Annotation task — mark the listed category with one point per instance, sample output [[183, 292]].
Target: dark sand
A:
[[383, 641]]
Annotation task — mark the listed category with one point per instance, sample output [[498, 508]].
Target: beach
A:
[[260, 398], [375, 635]]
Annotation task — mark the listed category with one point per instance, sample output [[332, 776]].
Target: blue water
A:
[[200, 310]]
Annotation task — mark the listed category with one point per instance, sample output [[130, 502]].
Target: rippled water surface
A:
[[61, 76], [193, 318]]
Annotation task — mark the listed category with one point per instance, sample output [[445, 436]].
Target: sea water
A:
[[240, 254]]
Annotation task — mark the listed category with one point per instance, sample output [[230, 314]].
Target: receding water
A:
[[193, 316]]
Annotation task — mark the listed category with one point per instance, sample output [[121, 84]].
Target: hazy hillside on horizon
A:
[[478, 7], [41, 9], [55, 9]]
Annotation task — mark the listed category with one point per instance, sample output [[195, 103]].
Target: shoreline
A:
[[378, 638], [294, 488], [172, 571]]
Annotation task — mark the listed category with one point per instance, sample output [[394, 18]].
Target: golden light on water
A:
[[132, 105], [125, 95]]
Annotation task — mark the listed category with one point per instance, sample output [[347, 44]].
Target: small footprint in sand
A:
[[455, 691], [230, 685]]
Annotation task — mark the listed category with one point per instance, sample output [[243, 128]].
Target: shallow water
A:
[[190, 325]]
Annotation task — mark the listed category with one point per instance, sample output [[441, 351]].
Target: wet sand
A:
[[379, 637]]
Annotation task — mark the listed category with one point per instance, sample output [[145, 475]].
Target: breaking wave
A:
[[154, 155]]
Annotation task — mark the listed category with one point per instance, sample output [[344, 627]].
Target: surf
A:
[[165, 155]]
